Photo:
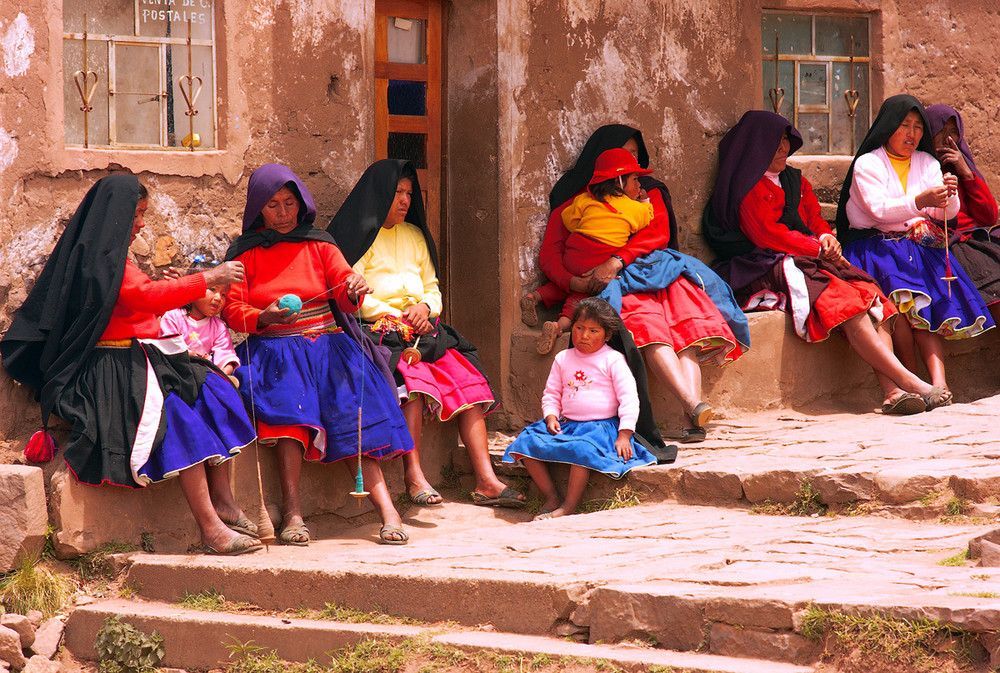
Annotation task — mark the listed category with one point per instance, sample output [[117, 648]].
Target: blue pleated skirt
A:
[[318, 383], [589, 444], [911, 275], [211, 430]]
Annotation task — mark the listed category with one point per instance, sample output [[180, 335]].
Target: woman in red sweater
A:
[[141, 408], [309, 373], [777, 252]]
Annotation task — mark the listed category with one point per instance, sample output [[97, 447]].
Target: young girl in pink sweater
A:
[[590, 407], [203, 331]]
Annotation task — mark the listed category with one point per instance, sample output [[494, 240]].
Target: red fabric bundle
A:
[[41, 447]]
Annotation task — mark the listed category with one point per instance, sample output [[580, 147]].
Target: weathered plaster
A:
[[18, 45]]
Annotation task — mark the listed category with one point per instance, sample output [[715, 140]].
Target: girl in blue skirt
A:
[[590, 407]]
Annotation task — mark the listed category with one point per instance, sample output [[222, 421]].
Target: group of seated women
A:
[[911, 262], [144, 406], [884, 279]]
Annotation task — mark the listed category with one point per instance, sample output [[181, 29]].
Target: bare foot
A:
[[554, 514]]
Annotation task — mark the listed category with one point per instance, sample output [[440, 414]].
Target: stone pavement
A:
[[710, 577]]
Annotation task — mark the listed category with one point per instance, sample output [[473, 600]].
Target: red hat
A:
[[614, 163]]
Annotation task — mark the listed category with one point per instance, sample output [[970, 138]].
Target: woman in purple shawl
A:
[[972, 243], [777, 252], [309, 373]]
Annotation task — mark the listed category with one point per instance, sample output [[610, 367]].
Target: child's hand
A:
[[552, 423], [171, 273], [623, 445], [643, 196], [235, 381]]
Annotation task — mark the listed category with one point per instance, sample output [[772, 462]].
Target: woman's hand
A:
[[171, 273], [552, 423], [357, 287], [934, 197], [829, 248], [226, 273], [623, 445], [273, 315], [951, 182], [417, 316], [580, 284], [952, 156], [604, 273]]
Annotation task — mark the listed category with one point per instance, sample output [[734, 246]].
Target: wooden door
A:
[[408, 59]]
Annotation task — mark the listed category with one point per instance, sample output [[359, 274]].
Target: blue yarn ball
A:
[[291, 302]]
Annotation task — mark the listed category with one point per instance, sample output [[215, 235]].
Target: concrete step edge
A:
[[206, 634]]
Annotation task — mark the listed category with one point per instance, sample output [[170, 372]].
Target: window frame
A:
[[798, 60], [162, 44]]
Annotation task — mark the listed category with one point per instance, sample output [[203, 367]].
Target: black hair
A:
[[610, 187], [143, 192], [201, 265], [408, 171], [600, 311]]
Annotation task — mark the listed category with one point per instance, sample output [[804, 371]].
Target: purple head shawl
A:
[[937, 115], [265, 183], [745, 152]]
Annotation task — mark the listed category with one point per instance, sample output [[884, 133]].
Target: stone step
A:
[[205, 635], [721, 580], [921, 466]]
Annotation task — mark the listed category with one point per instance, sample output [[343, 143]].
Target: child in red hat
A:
[[601, 220]]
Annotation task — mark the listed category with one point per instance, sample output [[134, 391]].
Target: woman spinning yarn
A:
[[382, 230]]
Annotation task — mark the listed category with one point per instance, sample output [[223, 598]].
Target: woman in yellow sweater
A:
[[382, 231]]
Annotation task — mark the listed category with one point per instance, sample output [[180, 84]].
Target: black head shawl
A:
[[264, 183], [745, 152], [70, 304], [605, 138], [358, 221], [890, 116]]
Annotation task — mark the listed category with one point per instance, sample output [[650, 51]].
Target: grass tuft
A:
[[95, 565], [624, 496], [34, 587], [807, 502], [958, 559]]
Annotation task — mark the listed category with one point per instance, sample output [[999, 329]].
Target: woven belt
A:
[[113, 343]]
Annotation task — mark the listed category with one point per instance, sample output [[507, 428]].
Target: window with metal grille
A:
[[139, 73], [822, 84]]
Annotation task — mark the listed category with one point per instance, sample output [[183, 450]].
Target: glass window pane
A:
[[786, 80], [833, 35], [406, 38], [812, 84], [794, 33], [409, 146], [813, 128], [840, 141], [171, 20], [97, 119], [407, 98], [104, 17], [138, 117], [179, 123], [137, 69]]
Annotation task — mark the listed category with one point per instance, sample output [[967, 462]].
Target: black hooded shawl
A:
[[265, 183], [745, 153], [70, 304], [890, 116], [605, 138], [355, 227]]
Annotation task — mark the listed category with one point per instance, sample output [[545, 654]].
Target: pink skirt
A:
[[449, 386]]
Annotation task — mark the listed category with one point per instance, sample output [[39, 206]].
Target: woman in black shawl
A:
[[382, 231], [140, 407], [893, 194], [777, 252]]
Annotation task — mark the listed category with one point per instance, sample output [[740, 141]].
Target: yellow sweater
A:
[[613, 226], [399, 270]]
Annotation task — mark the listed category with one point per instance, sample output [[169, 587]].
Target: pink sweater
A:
[[207, 337], [591, 387]]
